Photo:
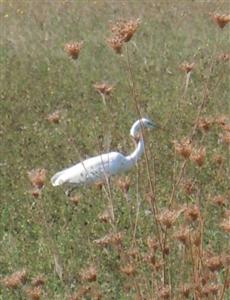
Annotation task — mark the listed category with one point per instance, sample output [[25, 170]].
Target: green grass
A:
[[38, 77]]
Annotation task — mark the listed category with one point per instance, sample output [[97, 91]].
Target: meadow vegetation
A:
[[75, 75]]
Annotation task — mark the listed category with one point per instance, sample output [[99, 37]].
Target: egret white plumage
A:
[[101, 167]]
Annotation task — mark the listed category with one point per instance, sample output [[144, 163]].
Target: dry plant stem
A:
[[51, 244], [110, 201], [152, 187], [103, 98], [137, 208], [187, 82], [226, 279]]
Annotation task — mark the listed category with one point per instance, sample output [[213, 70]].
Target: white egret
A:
[[101, 167]]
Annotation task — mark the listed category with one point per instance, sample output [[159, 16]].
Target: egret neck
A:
[[136, 154]]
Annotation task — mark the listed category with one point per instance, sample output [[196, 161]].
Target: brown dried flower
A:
[[221, 120], [225, 138], [124, 184], [75, 199], [37, 177], [125, 29], [133, 252], [182, 235], [38, 281], [168, 217], [219, 200], [226, 127], [220, 20], [198, 156], [116, 44], [187, 67], [225, 225], [152, 244], [15, 280], [110, 239], [105, 217], [192, 213], [89, 274], [54, 117], [184, 147], [205, 123], [210, 289], [164, 292], [189, 186], [214, 263], [128, 269], [35, 192], [103, 88], [218, 159], [80, 293], [34, 293], [73, 49], [185, 289], [99, 185]]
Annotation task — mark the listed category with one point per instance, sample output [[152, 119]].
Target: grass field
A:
[[170, 239]]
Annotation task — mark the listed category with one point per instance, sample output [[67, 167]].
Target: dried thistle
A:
[[225, 225], [221, 120], [89, 274], [218, 159], [221, 20], [128, 269], [73, 49], [38, 281], [83, 291], [153, 244], [54, 117], [103, 88], [124, 184], [198, 156], [34, 293], [219, 200], [182, 235], [105, 217], [184, 147], [210, 289], [133, 252], [99, 185], [226, 127], [125, 29], [150, 259], [214, 263], [75, 199], [35, 192], [168, 217], [164, 292], [225, 138], [205, 123], [37, 177], [189, 186], [15, 280], [110, 239], [192, 213], [185, 289], [116, 44], [187, 67]]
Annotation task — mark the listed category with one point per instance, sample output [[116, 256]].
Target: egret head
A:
[[139, 124]]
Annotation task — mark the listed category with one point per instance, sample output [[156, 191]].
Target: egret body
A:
[[101, 167]]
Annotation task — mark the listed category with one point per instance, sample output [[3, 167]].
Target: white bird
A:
[[101, 167]]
